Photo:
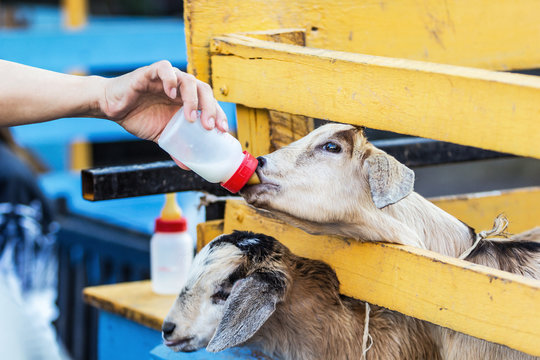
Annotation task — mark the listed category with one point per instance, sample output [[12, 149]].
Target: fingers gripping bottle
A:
[[171, 250], [214, 155]]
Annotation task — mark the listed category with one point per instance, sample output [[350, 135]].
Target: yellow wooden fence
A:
[[404, 66]]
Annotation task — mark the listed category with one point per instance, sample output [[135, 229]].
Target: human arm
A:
[[141, 101]]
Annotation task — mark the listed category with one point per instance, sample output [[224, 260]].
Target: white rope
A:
[[499, 226], [366, 335], [208, 199]]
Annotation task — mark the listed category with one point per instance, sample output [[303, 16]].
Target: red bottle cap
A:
[[242, 174], [171, 226]]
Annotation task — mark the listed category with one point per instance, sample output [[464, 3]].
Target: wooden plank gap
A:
[[284, 36]]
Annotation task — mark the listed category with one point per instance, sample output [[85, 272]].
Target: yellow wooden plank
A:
[[521, 207], [253, 130], [207, 231], [486, 109], [81, 155], [473, 299], [134, 301], [75, 13], [500, 34]]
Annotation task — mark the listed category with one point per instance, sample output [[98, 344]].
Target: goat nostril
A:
[[262, 161], [168, 327]]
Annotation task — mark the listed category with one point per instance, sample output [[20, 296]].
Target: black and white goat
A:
[[247, 288]]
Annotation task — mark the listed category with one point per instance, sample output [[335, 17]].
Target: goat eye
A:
[[331, 147], [219, 296]]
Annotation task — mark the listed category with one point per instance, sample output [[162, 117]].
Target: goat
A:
[[334, 182], [246, 288]]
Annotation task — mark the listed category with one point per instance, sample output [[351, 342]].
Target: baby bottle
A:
[[171, 250], [214, 155]]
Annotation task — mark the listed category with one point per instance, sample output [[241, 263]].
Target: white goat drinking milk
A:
[[333, 181], [247, 288]]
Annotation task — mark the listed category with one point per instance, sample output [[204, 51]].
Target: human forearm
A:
[[29, 95], [142, 101]]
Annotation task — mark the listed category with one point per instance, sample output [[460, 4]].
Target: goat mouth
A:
[[254, 194], [261, 187], [265, 185], [180, 344]]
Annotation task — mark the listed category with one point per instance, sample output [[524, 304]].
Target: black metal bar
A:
[[215, 211], [164, 176], [114, 153], [147, 179], [415, 151]]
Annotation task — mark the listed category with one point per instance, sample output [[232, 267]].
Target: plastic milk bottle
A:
[[214, 155]]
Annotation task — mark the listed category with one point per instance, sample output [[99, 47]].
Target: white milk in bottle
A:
[[214, 155]]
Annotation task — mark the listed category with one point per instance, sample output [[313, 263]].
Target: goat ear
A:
[[389, 180], [250, 304]]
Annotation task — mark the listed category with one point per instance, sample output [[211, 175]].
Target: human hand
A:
[[144, 100]]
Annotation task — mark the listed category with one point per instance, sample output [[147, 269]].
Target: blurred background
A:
[[103, 242], [108, 242]]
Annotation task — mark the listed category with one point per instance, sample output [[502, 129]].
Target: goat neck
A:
[[438, 231], [311, 313]]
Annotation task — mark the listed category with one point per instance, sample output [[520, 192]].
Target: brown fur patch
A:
[[315, 322], [347, 136]]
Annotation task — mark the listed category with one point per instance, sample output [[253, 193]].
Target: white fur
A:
[[193, 312]]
